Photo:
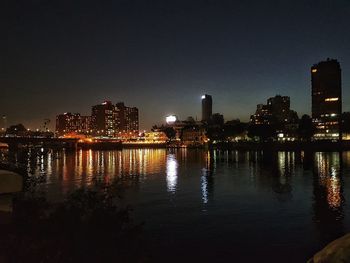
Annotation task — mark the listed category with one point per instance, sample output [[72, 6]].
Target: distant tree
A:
[[306, 128], [170, 133], [234, 128], [154, 128], [90, 225], [262, 131], [215, 133], [190, 120], [16, 129]]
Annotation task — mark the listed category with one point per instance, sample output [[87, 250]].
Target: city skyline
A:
[[151, 55]]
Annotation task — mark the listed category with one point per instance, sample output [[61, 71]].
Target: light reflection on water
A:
[[171, 172], [300, 196]]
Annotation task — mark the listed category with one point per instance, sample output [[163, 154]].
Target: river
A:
[[213, 206]]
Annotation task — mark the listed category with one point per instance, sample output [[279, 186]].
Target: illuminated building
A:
[[276, 111], [326, 99], [192, 136], [103, 119], [68, 123], [262, 115], [127, 118], [207, 105], [155, 137]]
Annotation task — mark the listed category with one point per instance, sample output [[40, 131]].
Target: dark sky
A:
[[161, 56]]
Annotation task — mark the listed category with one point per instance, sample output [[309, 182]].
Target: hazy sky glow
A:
[[161, 56]]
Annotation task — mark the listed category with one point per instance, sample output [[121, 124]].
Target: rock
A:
[[336, 251], [10, 182]]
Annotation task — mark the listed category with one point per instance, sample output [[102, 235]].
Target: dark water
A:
[[221, 205]]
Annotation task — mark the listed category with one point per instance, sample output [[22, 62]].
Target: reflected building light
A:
[[328, 166], [204, 186], [281, 163], [90, 167], [79, 168], [171, 173], [49, 168], [333, 192], [42, 166]]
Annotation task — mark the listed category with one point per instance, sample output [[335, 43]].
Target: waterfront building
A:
[[326, 99], [279, 107], [276, 112], [103, 119], [72, 123], [207, 106], [194, 136], [262, 115], [155, 137], [127, 118]]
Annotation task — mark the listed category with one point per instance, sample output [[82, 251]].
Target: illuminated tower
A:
[[207, 105], [326, 99]]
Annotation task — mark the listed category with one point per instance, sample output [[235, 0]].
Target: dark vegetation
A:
[[90, 225]]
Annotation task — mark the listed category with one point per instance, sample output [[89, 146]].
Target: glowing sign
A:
[[170, 119]]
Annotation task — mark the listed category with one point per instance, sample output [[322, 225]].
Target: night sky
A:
[[161, 56]]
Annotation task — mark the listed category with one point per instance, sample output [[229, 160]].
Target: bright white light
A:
[[331, 99], [203, 96], [204, 186], [170, 119], [171, 172]]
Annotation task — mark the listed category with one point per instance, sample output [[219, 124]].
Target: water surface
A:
[[219, 205]]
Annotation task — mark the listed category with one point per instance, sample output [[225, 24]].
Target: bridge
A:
[[51, 143]]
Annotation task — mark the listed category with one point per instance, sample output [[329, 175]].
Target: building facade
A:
[[72, 122], [326, 99], [207, 107], [103, 119], [276, 111], [127, 118]]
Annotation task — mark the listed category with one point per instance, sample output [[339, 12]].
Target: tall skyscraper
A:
[[103, 117], [326, 99], [127, 118], [207, 106]]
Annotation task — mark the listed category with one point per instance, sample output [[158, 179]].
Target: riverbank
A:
[[314, 146]]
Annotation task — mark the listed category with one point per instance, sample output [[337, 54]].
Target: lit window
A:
[[331, 99]]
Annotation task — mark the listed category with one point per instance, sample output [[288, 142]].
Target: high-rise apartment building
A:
[[207, 107], [326, 99], [103, 119], [68, 122], [127, 118], [276, 111]]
